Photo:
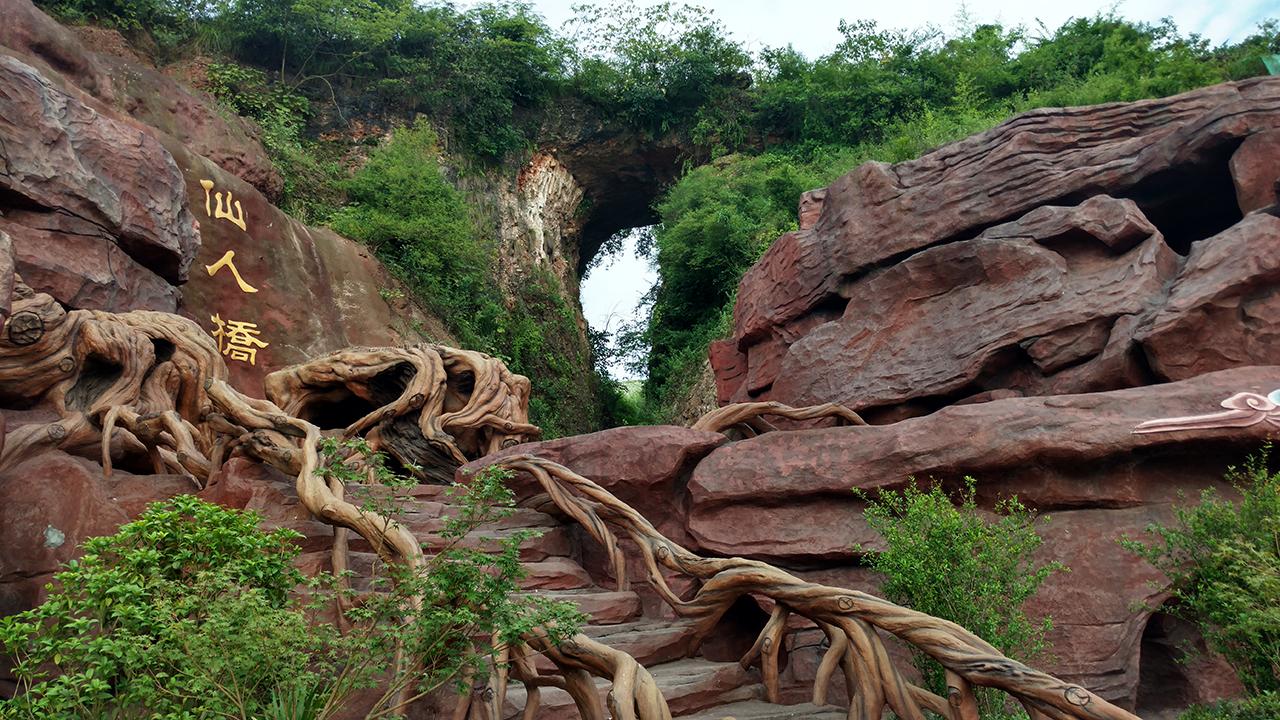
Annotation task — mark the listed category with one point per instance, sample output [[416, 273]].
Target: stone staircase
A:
[[693, 686]]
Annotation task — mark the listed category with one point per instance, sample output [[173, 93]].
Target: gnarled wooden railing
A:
[[153, 385], [849, 618]]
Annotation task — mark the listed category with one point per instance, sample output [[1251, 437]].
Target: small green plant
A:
[[1261, 707], [192, 611], [110, 639], [1222, 559], [946, 559]]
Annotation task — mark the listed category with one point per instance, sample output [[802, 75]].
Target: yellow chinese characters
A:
[[226, 262], [237, 339], [231, 211]]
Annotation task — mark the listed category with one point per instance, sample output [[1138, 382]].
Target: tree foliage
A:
[[1222, 559], [948, 560]]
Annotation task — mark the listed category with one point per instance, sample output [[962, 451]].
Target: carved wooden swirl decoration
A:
[[151, 387]]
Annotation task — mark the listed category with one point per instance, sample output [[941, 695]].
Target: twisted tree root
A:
[[849, 618], [154, 383], [748, 419]]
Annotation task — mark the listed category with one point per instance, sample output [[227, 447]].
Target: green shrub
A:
[[312, 187], [950, 561], [169, 22], [1222, 559], [192, 611], [402, 207], [116, 620], [1262, 707]]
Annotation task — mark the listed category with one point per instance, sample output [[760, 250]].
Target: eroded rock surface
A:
[[1035, 258], [136, 90], [123, 190]]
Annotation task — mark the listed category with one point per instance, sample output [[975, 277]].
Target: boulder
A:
[[66, 258], [1048, 289], [1223, 310], [63, 156], [973, 259], [129, 86], [50, 504]]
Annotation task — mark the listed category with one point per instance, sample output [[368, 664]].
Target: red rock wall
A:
[[1063, 251], [104, 199], [1009, 307]]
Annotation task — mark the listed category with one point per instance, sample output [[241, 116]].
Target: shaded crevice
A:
[[339, 406], [1163, 686], [736, 632], [335, 409], [1192, 201], [97, 375]]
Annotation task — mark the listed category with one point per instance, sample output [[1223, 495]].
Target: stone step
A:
[[549, 544], [603, 607], [429, 518], [760, 710], [650, 642], [688, 685], [558, 573]]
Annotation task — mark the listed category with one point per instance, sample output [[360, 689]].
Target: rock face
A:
[[1063, 251], [136, 90], [63, 156], [52, 503], [120, 192], [1010, 307]]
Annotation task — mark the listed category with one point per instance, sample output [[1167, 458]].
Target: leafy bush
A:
[[1222, 559], [169, 22], [1261, 707], [402, 207], [110, 639], [193, 611], [950, 561]]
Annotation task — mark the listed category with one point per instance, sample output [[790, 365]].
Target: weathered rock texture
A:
[[1063, 251], [122, 190], [999, 287], [134, 89]]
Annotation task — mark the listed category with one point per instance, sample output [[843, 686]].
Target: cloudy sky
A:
[[610, 294]]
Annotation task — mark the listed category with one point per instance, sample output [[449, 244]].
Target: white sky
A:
[[612, 290]]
